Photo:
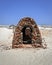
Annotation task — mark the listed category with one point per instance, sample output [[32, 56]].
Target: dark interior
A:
[[27, 38]]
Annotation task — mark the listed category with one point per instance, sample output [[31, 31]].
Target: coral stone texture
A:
[[26, 32]]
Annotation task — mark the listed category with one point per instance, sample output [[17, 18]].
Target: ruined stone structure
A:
[[26, 32]]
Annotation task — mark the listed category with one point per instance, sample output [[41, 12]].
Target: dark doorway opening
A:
[[27, 34]]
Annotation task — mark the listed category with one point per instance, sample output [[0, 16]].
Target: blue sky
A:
[[11, 11]]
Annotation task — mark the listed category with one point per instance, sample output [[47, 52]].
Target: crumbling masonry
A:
[[19, 34]]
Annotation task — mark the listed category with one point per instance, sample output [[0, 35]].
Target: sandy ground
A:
[[25, 56]]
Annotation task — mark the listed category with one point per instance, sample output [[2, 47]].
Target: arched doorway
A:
[[27, 34]]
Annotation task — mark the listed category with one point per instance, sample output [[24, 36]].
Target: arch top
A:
[[27, 20]]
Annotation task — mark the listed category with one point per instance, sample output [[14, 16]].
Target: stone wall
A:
[[18, 35]]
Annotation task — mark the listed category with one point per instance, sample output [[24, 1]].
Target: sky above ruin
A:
[[11, 11]]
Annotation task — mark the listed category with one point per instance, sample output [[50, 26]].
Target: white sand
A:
[[25, 56]]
